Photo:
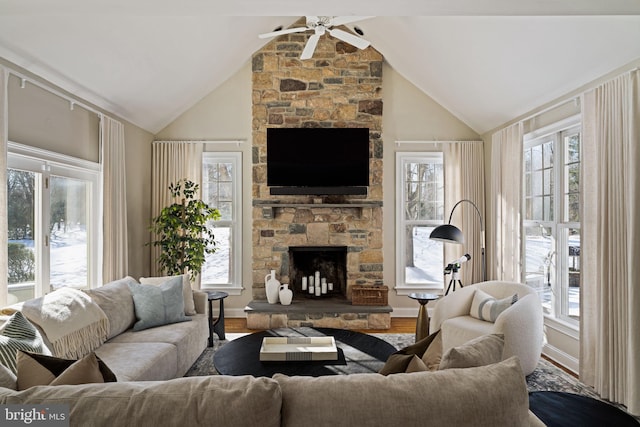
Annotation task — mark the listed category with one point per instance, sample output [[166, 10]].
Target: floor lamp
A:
[[451, 234]]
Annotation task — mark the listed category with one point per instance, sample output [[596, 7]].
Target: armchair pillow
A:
[[158, 305], [487, 308]]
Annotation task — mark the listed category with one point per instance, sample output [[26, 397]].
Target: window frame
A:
[[235, 224], [45, 164], [403, 157], [559, 224]]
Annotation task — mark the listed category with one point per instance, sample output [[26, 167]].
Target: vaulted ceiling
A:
[[486, 61]]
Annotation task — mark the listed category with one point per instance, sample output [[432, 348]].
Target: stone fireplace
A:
[[339, 87]]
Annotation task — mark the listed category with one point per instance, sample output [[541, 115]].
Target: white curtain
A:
[[4, 137], [114, 246], [504, 237], [464, 179], [610, 294], [172, 161]]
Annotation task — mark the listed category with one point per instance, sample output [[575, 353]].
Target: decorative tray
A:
[[298, 349]]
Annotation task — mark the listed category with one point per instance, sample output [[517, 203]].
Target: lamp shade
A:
[[447, 233]]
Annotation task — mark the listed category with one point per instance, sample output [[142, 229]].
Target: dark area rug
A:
[[546, 378]]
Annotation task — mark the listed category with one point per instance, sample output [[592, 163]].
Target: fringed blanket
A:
[[72, 322]]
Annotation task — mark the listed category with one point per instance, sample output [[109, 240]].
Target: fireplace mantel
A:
[[270, 207]]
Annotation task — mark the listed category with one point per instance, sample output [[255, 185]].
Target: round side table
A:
[[422, 323], [216, 326]]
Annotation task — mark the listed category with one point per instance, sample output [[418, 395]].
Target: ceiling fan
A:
[[320, 25]]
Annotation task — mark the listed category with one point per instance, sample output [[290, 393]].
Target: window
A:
[[552, 220], [420, 181], [52, 214], [221, 188]]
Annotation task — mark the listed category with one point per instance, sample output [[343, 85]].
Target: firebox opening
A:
[[329, 261]]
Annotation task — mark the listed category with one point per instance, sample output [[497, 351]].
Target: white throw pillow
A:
[[487, 308], [187, 293]]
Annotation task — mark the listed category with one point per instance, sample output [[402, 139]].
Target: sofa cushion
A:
[[481, 351], [222, 401], [487, 308], [462, 329], [18, 334], [189, 338], [140, 361], [37, 369], [157, 305], [116, 300], [187, 295], [487, 396]]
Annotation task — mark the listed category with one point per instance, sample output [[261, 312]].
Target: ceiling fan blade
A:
[[341, 20], [281, 32], [349, 38], [307, 53]]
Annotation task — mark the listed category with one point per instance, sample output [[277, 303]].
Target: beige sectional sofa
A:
[[488, 396], [148, 393]]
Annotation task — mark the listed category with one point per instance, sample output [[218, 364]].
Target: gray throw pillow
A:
[[158, 305], [481, 351]]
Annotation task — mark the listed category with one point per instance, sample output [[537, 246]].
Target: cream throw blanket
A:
[[72, 322]]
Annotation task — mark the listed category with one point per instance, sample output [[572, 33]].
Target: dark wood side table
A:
[[216, 326], [422, 323]]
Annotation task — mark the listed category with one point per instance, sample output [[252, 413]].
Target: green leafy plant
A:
[[182, 232]]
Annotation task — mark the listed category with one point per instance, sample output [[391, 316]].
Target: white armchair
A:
[[521, 323]]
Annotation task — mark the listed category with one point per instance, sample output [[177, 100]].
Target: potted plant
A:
[[182, 232]]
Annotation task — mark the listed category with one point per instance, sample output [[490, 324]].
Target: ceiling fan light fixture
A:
[[321, 25]]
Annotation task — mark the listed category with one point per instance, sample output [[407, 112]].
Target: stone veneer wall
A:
[[340, 87]]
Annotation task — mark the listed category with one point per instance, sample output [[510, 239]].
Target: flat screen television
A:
[[318, 161]]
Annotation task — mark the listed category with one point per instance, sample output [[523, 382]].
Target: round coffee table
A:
[[357, 353]]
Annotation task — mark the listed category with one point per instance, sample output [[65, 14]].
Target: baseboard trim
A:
[[564, 359], [404, 312]]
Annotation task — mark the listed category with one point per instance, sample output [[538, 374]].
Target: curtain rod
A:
[[72, 101], [202, 141], [436, 142]]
